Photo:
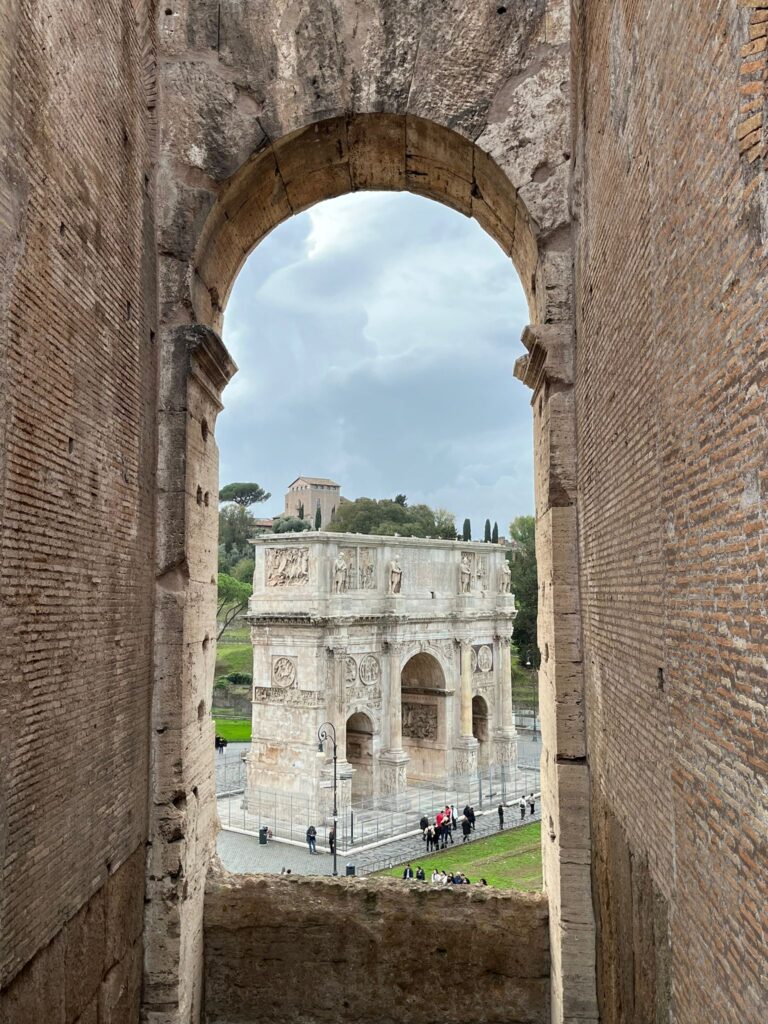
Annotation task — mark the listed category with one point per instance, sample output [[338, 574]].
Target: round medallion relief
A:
[[369, 670], [485, 659], [350, 671], [283, 673]]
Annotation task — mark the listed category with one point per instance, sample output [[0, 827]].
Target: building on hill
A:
[[311, 493]]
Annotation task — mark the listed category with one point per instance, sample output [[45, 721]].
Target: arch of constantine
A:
[[616, 151], [403, 643]]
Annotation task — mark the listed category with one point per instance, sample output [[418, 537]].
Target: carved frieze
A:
[[287, 567], [293, 697], [358, 567], [283, 672], [420, 721], [350, 671], [473, 572]]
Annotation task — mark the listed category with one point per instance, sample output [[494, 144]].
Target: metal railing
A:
[[370, 821]]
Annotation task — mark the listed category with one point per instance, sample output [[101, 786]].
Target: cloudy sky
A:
[[375, 336]]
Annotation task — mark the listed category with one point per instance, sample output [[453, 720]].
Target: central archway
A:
[[425, 717]]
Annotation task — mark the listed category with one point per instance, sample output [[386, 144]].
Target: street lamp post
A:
[[327, 731]]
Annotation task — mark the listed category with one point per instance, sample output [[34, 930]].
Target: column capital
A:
[[463, 643]]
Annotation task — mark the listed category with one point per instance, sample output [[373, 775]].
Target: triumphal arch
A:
[[403, 644]]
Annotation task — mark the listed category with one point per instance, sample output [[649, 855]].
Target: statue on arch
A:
[[395, 575], [340, 574], [465, 573]]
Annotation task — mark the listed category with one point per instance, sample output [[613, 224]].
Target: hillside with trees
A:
[[387, 517]]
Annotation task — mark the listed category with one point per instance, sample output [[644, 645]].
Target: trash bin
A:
[[263, 835], [350, 869]]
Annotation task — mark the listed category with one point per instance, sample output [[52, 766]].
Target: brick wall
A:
[[314, 950], [671, 409], [78, 384]]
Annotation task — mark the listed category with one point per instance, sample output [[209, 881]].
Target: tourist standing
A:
[[522, 807], [471, 817], [532, 804], [408, 873], [424, 825], [312, 839], [332, 840], [466, 828], [501, 816]]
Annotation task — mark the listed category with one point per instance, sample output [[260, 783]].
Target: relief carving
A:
[[420, 721], [370, 670], [293, 697], [482, 658], [464, 762], [340, 574], [283, 673], [360, 569], [287, 567], [350, 671]]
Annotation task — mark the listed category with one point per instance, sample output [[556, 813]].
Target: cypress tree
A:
[[487, 531], [318, 518], [495, 534], [466, 533]]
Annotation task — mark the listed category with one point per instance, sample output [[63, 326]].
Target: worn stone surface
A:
[[373, 949], [671, 364], [77, 389]]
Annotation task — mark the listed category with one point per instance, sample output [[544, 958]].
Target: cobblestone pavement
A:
[[244, 854]]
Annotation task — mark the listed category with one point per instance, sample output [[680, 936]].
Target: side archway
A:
[[360, 754], [425, 717]]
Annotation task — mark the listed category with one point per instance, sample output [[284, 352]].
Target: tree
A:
[[233, 598], [301, 510], [290, 524], [495, 534], [236, 527], [487, 532], [244, 494], [522, 563], [242, 569], [466, 532], [401, 500], [318, 518], [389, 517]]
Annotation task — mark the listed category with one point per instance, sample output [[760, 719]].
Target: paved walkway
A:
[[244, 854]]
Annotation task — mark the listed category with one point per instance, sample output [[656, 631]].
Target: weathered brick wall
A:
[[671, 407], [77, 375], [315, 950]]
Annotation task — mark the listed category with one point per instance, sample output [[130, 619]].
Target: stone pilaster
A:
[[465, 722], [393, 759]]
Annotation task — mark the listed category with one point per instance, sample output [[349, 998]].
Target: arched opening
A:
[[480, 729], [360, 754], [424, 717]]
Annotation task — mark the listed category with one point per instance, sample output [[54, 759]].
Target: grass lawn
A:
[[509, 860], [235, 730], [233, 658]]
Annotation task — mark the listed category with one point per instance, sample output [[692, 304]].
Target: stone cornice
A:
[[550, 355]]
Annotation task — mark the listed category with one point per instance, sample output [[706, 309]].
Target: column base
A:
[[505, 747], [465, 756], [393, 775]]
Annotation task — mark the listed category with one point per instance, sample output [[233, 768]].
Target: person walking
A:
[[312, 839], [424, 825], [453, 818], [431, 839], [532, 804], [522, 808], [501, 816], [408, 873], [466, 828], [471, 817], [332, 840]]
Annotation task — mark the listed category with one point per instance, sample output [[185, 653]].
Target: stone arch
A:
[[381, 152], [423, 695], [264, 109]]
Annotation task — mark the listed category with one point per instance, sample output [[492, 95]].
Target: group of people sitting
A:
[[439, 877], [439, 833]]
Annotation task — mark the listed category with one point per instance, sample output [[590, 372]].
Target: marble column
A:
[[505, 683], [393, 759], [465, 729]]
